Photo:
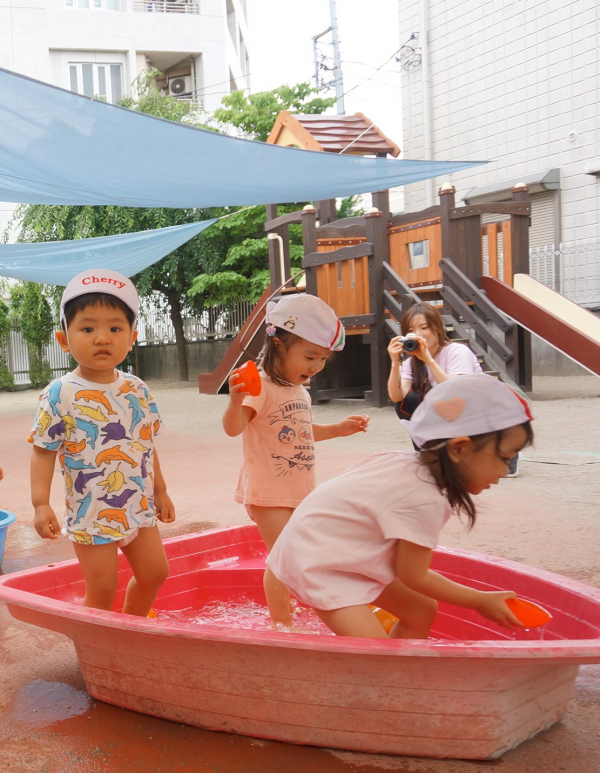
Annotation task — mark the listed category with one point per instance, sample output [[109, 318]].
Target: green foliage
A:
[[6, 378], [255, 114], [226, 287], [32, 311]]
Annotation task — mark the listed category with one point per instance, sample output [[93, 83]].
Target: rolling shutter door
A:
[[542, 230]]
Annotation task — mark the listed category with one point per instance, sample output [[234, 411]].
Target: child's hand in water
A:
[[353, 424], [45, 522], [493, 607]]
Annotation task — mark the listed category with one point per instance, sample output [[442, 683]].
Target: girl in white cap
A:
[[367, 537], [278, 433]]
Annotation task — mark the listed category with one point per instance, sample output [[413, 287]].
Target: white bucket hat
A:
[[101, 280], [308, 317], [467, 405]]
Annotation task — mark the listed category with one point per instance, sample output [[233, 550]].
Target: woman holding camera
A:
[[435, 359]]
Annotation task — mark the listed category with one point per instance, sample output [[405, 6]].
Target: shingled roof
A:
[[353, 134]]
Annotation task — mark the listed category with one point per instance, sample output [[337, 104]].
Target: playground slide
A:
[[245, 345], [549, 315]]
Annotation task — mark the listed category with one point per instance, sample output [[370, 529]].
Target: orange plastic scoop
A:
[[530, 614], [386, 619], [248, 374]]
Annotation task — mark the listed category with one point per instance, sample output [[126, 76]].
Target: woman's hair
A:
[[269, 359], [436, 323], [447, 477]]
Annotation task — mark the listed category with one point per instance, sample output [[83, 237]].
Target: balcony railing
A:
[[166, 6]]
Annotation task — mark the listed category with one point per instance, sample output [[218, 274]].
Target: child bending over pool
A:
[[278, 433], [367, 536], [101, 423]]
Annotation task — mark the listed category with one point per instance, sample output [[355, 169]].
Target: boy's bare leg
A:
[[278, 599], [99, 566], [353, 621], [415, 612], [147, 558]]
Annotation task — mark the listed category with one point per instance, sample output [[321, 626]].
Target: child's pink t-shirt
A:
[[278, 462], [453, 359], [339, 547]]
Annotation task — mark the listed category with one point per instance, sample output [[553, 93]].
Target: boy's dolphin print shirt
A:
[[278, 465], [104, 437]]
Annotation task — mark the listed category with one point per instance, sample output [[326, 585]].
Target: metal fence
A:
[[572, 269], [17, 357], [155, 326]]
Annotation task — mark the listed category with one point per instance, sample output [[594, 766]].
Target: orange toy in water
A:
[[151, 614], [386, 619], [248, 374], [530, 615]]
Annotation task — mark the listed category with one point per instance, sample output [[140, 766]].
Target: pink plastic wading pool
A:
[[470, 692]]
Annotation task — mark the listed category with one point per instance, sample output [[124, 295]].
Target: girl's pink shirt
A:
[[278, 461]]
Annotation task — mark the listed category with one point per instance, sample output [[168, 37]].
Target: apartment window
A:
[[96, 80], [100, 5]]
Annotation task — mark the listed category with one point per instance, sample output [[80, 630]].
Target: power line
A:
[[373, 73]]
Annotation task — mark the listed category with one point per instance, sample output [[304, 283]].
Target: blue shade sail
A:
[[57, 147], [58, 262]]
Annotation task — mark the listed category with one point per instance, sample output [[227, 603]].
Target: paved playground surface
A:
[[549, 517]]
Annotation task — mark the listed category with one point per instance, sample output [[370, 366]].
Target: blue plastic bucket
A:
[[6, 519]]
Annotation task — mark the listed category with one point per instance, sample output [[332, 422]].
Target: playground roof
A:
[[353, 134], [57, 147]]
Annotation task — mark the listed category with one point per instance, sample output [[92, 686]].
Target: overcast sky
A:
[[281, 51]]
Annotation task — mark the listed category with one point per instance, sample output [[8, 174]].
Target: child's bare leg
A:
[[99, 566], [415, 612], [353, 621], [278, 599], [270, 522], [146, 556]]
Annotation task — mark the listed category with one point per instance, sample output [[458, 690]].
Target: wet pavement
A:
[[548, 517]]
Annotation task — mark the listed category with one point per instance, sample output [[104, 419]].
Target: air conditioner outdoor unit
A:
[[181, 85]]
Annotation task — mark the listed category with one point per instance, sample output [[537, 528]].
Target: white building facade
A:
[[99, 47], [517, 84]]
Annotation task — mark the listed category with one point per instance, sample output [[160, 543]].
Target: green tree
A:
[[33, 313], [6, 378], [255, 114]]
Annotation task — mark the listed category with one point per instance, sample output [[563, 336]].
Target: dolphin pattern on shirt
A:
[[137, 414], [95, 396], [90, 429]]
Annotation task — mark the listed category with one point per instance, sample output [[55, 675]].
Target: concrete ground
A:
[[548, 517]]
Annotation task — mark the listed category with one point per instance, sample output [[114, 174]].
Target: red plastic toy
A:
[[248, 373]]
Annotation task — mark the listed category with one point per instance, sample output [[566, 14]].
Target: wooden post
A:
[[309, 241], [376, 228], [446, 194], [381, 200], [520, 340], [519, 235], [326, 210]]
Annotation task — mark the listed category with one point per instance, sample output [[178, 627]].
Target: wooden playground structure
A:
[[370, 269]]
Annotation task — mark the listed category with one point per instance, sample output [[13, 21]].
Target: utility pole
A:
[[337, 65]]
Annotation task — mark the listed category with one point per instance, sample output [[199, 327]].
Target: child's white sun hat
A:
[[308, 317], [101, 280], [467, 405]]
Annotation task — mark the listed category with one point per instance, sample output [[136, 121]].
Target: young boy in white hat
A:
[[102, 422], [278, 433]]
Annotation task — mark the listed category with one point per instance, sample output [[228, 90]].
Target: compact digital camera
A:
[[411, 343]]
